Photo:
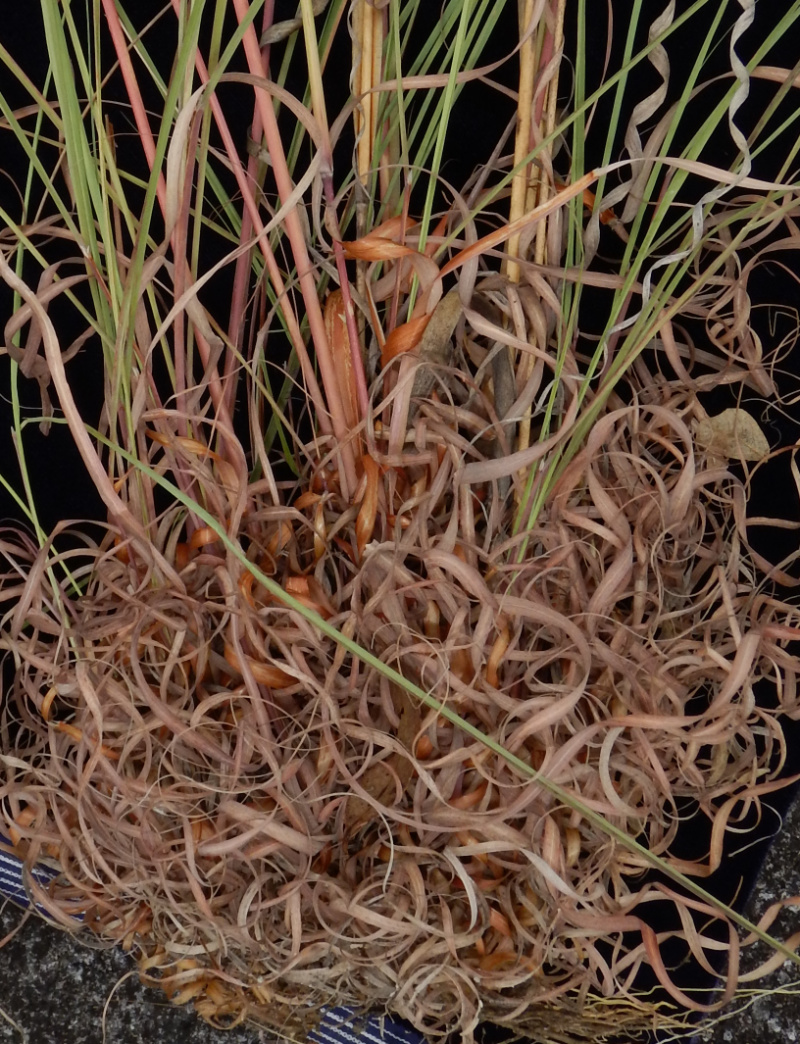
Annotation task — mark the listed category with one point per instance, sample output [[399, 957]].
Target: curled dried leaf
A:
[[264, 673], [403, 338]]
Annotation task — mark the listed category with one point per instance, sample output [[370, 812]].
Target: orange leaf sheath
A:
[[336, 328], [365, 523]]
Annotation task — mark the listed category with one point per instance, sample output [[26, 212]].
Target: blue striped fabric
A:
[[11, 883], [338, 1025]]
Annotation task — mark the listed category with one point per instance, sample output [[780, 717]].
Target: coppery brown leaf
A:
[[379, 779], [378, 782], [408, 710], [435, 348]]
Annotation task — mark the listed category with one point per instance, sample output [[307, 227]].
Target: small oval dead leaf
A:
[[733, 435]]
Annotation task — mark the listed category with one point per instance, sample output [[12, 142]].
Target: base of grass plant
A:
[[273, 826]]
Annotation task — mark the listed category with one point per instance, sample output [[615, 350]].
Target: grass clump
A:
[[425, 600]]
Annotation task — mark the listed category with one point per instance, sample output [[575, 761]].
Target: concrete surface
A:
[[56, 990], [774, 1018]]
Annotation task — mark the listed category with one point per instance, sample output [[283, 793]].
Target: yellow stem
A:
[[522, 141]]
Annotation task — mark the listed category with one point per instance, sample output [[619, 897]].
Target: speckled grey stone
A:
[[774, 1018], [56, 990]]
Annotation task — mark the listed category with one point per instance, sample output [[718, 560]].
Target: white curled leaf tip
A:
[[643, 111], [743, 23]]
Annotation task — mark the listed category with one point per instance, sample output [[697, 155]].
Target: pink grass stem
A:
[[244, 261], [134, 96], [149, 145], [254, 217], [305, 270]]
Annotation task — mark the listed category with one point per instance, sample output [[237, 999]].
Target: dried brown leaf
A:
[[732, 434]]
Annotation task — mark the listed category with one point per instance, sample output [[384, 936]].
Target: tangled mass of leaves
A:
[[280, 826], [209, 732]]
